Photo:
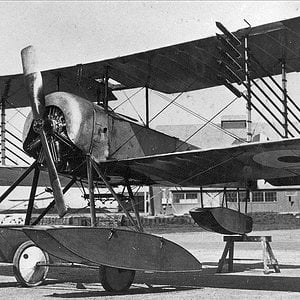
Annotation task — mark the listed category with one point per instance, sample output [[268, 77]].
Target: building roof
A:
[[209, 136]]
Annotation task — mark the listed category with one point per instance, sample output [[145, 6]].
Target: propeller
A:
[[34, 85]]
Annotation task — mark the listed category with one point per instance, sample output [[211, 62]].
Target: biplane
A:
[[72, 132]]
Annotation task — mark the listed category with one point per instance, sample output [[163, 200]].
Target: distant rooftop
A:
[[233, 118], [211, 135]]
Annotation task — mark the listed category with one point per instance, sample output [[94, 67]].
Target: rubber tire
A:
[[115, 279], [37, 274]]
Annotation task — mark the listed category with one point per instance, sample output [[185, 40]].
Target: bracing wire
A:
[[139, 116], [208, 121], [128, 98]]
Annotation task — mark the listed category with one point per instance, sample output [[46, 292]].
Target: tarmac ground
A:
[[247, 281]]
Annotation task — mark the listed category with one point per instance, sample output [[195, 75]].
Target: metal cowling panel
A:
[[79, 116]]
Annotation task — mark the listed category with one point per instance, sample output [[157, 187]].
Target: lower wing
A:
[[277, 162]]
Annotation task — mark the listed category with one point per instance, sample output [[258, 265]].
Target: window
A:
[[270, 196], [257, 196], [231, 196], [242, 196], [191, 196], [233, 124], [185, 198], [177, 197]]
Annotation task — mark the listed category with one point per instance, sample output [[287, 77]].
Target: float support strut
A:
[[32, 195], [19, 180], [109, 187], [52, 204], [91, 190], [135, 208]]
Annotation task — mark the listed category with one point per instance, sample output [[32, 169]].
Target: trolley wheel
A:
[[25, 264], [115, 279]]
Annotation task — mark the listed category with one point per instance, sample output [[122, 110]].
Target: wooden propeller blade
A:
[[34, 85], [33, 82]]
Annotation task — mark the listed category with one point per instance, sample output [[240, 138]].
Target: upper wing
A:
[[178, 68], [270, 160], [65, 79], [193, 65]]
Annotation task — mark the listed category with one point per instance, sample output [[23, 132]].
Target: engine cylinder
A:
[[85, 125]]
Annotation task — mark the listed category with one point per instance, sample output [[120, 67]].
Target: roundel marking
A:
[[289, 159], [281, 159]]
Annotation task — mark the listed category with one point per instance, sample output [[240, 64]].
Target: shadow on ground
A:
[[132, 291], [209, 278], [240, 267], [147, 283]]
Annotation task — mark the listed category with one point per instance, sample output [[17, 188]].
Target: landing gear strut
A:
[[116, 279]]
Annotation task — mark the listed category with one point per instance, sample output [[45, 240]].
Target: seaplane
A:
[[72, 133]]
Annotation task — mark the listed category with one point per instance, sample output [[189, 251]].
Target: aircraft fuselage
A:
[[77, 127]]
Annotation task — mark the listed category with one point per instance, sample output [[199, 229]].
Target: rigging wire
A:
[[110, 217], [173, 101], [136, 133], [115, 108], [202, 172], [163, 109], [17, 129], [208, 121], [260, 118], [16, 112], [134, 109]]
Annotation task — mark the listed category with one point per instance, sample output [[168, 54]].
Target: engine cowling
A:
[[75, 127]]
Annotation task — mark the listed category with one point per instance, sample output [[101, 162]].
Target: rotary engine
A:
[[74, 128], [64, 153]]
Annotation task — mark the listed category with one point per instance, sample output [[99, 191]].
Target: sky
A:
[[69, 33]]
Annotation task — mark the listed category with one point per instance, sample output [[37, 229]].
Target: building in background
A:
[[176, 200], [231, 131]]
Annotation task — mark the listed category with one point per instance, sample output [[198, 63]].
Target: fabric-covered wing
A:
[[64, 79], [9, 174], [270, 160], [193, 65], [177, 68]]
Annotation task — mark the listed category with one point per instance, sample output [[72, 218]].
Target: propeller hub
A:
[[34, 85], [38, 125]]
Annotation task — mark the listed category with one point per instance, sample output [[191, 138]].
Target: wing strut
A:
[[110, 188], [147, 106], [230, 49]]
